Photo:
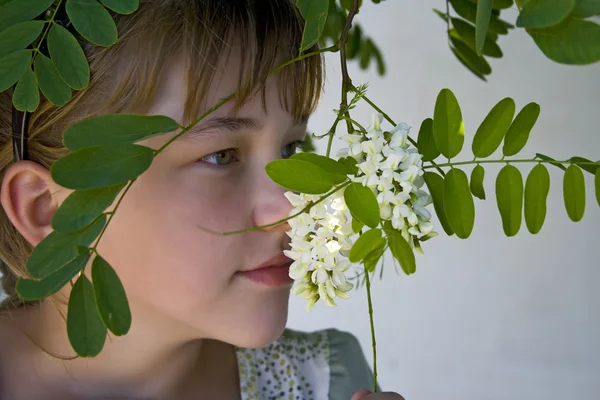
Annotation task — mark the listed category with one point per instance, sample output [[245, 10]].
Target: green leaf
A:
[[426, 141], [435, 183], [597, 183], [546, 158], [448, 126], [302, 176], [57, 249], [357, 225], [441, 14], [484, 14], [362, 203], [458, 203], [315, 15], [19, 36], [124, 128], [82, 207], [537, 188], [509, 197], [574, 192], [474, 63], [374, 256], [17, 11], [380, 62], [468, 11], [586, 8], [544, 13], [92, 21], [354, 41], [366, 243], [476, 184], [349, 164], [573, 41], [111, 297], [86, 331], [99, 166], [492, 130], [32, 290], [591, 168], [51, 84], [402, 251], [328, 164], [12, 67], [122, 6], [519, 130], [366, 52], [27, 95], [467, 34], [68, 57]]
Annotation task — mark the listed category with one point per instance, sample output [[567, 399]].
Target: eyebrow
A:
[[229, 124]]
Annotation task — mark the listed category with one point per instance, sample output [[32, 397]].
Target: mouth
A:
[[273, 272]]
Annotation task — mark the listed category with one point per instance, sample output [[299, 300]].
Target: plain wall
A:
[[490, 317]]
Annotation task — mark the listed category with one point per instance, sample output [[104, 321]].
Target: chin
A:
[[259, 329]]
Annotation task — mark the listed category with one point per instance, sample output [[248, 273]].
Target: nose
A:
[[270, 205]]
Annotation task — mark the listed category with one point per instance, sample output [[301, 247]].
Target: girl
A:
[[207, 323]]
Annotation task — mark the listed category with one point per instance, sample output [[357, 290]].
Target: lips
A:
[[273, 272], [280, 260]]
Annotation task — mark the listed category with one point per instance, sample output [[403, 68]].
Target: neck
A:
[[153, 361]]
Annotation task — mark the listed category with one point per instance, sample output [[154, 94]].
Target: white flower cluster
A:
[[320, 244], [392, 170], [321, 238]]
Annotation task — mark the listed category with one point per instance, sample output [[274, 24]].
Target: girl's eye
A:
[[290, 149], [221, 158]]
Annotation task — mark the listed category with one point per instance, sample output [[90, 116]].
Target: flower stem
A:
[[372, 330]]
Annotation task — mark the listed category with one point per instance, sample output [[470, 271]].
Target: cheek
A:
[[159, 252]]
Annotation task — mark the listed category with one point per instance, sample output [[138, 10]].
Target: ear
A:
[[30, 198]]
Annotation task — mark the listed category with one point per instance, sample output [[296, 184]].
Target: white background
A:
[[490, 317]]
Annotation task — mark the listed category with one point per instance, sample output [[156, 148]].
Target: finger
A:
[[360, 393]]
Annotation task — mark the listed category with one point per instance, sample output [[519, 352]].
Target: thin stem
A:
[[391, 121], [346, 81], [374, 343], [355, 123], [454, 164], [49, 22], [281, 221], [332, 49]]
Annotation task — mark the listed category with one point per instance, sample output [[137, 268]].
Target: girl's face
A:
[[179, 276]]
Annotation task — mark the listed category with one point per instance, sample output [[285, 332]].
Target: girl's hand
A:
[[364, 394]]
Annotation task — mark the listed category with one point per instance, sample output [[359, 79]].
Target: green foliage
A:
[[426, 141], [537, 188], [435, 184], [19, 36], [476, 184], [32, 290], [51, 84], [328, 164], [519, 130], [458, 203], [124, 128], [315, 14], [493, 128], [365, 244], [302, 176], [509, 197], [68, 57], [85, 328], [574, 192], [374, 256], [92, 21], [583, 164], [401, 251], [597, 183], [110, 297], [551, 160], [467, 33], [484, 14], [363, 204], [26, 96], [82, 207], [476, 64], [98, 166], [544, 13], [122, 6], [12, 67], [16, 11], [448, 126], [57, 249], [586, 8]]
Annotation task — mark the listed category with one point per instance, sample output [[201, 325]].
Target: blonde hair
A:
[[125, 77]]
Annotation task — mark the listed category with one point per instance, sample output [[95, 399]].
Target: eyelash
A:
[[296, 144]]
